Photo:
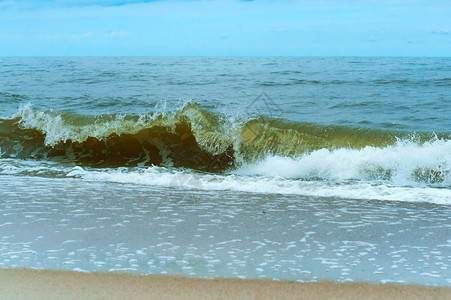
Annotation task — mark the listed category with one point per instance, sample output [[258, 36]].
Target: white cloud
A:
[[115, 34], [440, 31], [81, 35]]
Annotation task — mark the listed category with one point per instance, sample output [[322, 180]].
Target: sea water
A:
[[266, 167]]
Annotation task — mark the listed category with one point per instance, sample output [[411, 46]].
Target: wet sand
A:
[[52, 284]]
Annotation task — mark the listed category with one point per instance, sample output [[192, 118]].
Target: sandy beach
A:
[[52, 284]]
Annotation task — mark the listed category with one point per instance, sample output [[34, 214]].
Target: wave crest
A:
[[190, 137]]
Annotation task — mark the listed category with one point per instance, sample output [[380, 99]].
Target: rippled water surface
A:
[[123, 227], [401, 93]]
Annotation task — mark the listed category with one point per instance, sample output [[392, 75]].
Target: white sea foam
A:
[[402, 172], [405, 163], [269, 185]]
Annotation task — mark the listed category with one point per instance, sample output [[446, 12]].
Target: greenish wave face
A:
[[190, 137]]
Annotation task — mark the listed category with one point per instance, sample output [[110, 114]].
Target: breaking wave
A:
[[193, 137]]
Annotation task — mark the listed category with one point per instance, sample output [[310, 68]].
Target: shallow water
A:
[[155, 230]]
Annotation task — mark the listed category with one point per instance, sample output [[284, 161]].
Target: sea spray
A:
[[404, 163], [196, 138]]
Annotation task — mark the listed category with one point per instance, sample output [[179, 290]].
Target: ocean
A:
[[298, 168]]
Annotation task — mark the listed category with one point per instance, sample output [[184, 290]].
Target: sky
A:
[[250, 28]]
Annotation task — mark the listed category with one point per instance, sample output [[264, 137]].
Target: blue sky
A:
[[306, 28]]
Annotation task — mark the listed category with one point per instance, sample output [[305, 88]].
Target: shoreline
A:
[[58, 284]]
